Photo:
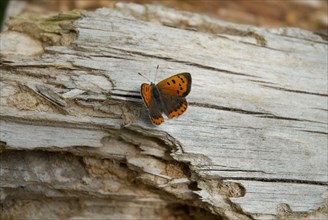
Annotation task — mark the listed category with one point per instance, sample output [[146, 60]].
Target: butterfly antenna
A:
[[156, 72], [144, 77]]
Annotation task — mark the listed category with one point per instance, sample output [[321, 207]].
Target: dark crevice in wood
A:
[[315, 132], [289, 119], [295, 181], [282, 118], [242, 111], [125, 95], [136, 92], [219, 70], [296, 91], [260, 81], [322, 109], [247, 112], [113, 57], [217, 107], [229, 170]]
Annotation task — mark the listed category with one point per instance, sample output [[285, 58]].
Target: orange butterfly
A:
[[168, 97]]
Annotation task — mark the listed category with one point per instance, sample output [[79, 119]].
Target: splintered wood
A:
[[252, 144]]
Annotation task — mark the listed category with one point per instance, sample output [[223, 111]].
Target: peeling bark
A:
[[76, 141]]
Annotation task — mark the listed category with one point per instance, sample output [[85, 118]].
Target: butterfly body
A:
[[168, 97]]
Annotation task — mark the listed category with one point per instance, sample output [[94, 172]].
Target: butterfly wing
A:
[[155, 112], [174, 105], [146, 94], [177, 85]]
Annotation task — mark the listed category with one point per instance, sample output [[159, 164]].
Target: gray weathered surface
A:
[[254, 135]]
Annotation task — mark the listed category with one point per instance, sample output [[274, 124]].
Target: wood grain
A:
[[256, 122]]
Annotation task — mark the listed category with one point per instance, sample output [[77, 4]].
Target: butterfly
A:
[[168, 97]]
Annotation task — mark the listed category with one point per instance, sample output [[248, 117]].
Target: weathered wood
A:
[[252, 144]]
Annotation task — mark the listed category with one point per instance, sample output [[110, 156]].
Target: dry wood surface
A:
[[76, 137]]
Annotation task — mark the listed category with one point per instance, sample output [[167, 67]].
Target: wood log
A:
[[77, 142]]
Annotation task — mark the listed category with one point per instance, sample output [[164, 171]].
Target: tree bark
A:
[[77, 142]]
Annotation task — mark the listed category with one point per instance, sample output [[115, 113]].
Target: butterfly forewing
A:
[[177, 85], [145, 93]]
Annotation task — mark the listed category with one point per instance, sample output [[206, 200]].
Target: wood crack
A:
[[229, 170], [125, 95], [223, 108], [296, 91], [316, 132], [247, 112], [295, 181]]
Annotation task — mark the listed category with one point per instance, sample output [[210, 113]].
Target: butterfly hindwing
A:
[[174, 105], [177, 85], [155, 114]]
